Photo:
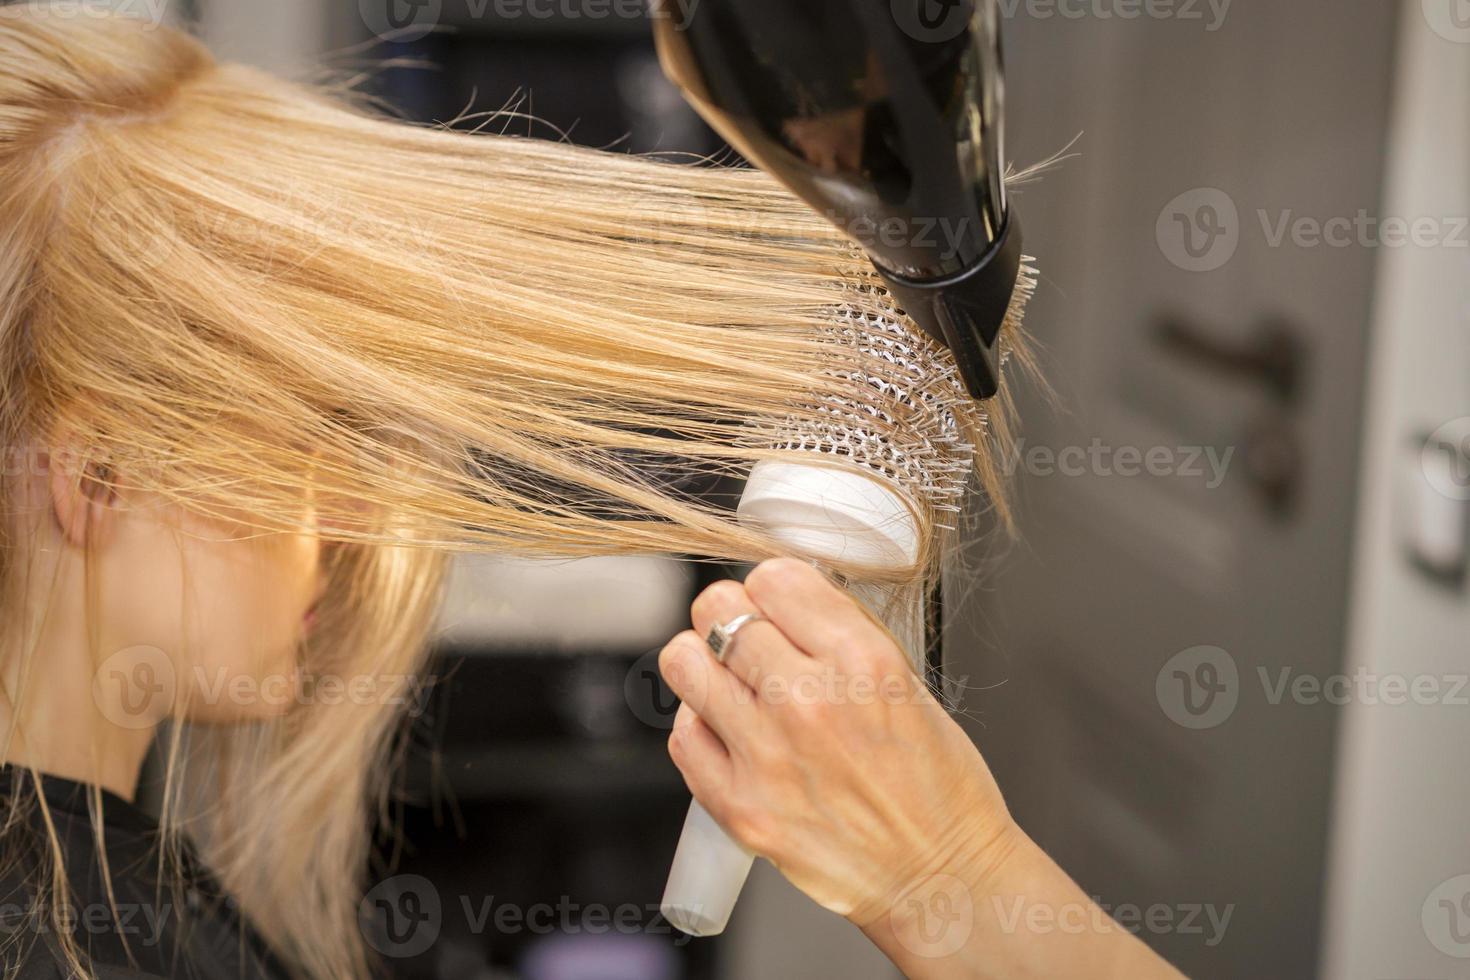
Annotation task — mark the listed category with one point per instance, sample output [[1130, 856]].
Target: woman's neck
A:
[[115, 767], [77, 717]]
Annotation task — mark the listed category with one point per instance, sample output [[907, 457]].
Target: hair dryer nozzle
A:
[[968, 309]]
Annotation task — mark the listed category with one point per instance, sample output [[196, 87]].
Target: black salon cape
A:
[[193, 933]]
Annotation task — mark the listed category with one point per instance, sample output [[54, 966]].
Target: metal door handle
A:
[[1274, 357]]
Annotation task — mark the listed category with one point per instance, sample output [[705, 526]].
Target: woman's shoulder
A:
[[26, 952], [126, 919], [131, 906]]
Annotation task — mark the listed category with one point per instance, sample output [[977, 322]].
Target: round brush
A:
[[845, 494]]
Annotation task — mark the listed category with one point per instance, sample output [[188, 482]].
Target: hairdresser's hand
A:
[[817, 747]]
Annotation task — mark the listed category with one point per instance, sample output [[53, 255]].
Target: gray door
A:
[[1186, 514]]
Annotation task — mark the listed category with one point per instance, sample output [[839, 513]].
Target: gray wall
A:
[[1402, 824]]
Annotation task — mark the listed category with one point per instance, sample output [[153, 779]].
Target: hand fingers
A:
[[818, 617], [710, 690], [701, 758], [759, 649]]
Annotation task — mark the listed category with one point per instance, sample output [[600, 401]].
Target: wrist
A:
[[927, 921], [1007, 911]]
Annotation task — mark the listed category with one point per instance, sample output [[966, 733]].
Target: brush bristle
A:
[[916, 390]]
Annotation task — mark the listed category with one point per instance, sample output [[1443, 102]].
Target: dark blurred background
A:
[[1245, 518]]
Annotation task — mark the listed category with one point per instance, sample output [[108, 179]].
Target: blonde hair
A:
[[232, 287]]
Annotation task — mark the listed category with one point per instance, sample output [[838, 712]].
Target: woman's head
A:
[[271, 347]]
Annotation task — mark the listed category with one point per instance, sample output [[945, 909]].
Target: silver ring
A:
[[721, 635]]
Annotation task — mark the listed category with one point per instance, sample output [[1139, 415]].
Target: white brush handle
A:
[[705, 879], [825, 513]]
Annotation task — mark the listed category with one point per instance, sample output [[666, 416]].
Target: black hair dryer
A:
[[884, 115]]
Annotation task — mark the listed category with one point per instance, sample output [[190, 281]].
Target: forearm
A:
[[1012, 915]]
